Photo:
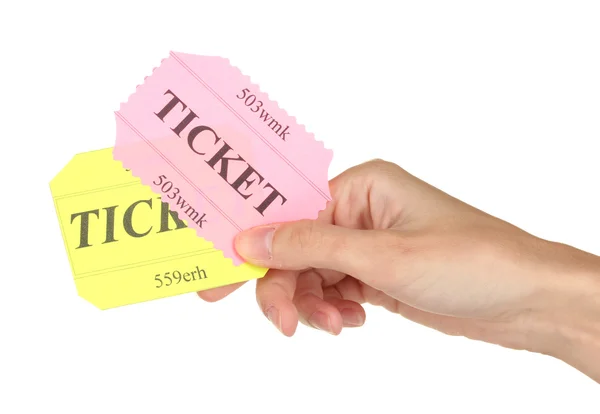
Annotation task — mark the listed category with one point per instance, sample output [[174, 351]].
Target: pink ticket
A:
[[219, 151]]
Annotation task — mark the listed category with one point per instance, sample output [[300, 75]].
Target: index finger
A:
[[216, 294], [275, 294]]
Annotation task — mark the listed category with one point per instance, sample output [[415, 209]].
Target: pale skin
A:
[[392, 240]]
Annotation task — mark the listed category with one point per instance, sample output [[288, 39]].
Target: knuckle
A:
[[398, 242], [378, 161], [381, 164], [380, 167], [306, 235]]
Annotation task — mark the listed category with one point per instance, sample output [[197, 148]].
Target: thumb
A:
[[307, 243]]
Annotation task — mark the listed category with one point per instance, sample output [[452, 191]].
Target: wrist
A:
[[569, 325]]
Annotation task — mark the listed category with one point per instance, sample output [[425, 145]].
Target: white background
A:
[[497, 103]]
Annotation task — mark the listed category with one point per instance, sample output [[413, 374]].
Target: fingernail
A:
[[256, 243], [320, 321], [352, 318], [273, 316]]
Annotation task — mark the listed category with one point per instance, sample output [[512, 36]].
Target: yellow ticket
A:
[[124, 243]]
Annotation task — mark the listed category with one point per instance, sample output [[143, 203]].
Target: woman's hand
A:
[[391, 240]]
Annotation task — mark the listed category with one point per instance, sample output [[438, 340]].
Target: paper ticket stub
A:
[[219, 151], [125, 244]]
